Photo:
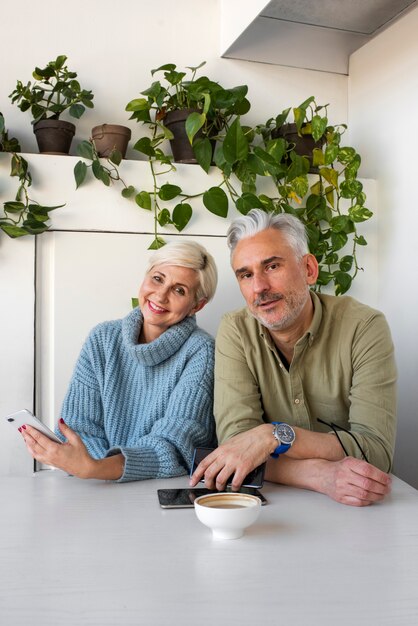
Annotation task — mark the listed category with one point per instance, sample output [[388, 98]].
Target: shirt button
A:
[[297, 401]]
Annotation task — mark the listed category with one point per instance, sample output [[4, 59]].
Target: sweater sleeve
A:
[[167, 450], [82, 409]]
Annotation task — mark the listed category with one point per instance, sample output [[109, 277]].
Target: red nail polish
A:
[[62, 421], [24, 426], [20, 429]]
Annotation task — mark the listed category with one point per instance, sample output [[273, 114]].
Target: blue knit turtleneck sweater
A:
[[151, 402]]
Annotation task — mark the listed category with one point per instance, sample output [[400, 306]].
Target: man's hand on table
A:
[[353, 481], [238, 456]]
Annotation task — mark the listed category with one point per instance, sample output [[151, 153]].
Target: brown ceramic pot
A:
[[109, 137], [54, 136]]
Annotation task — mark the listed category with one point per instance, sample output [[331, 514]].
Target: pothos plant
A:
[[215, 109], [23, 215], [214, 119], [331, 201]]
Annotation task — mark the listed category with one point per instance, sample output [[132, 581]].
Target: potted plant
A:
[[323, 190], [190, 112], [305, 134], [54, 91]]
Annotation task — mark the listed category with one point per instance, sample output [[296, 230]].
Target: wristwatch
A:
[[285, 435]]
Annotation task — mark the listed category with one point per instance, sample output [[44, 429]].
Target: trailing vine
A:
[[22, 215]]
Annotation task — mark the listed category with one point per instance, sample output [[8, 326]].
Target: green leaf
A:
[[282, 117], [143, 199], [331, 153], [360, 241], [100, 173], [346, 154], [350, 188], [13, 231], [342, 282], [235, 145], [157, 243], [80, 171], [13, 207], [202, 149], [134, 302], [267, 203], [247, 202], [144, 145], [115, 157], [76, 110], [194, 123], [359, 213], [85, 150], [128, 192], [330, 175], [338, 240], [346, 263], [168, 192], [318, 126], [276, 148], [324, 277], [216, 201], [317, 157], [342, 223], [300, 185], [181, 215], [138, 104], [299, 167], [164, 217]]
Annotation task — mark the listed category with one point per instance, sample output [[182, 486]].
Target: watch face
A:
[[285, 433]]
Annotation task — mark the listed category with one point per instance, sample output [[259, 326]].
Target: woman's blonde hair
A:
[[193, 255]]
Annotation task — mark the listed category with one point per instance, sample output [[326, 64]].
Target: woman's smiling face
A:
[[166, 296]]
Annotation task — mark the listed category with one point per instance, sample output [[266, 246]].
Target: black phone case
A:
[[253, 479]]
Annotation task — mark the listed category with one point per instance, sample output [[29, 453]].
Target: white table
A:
[[87, 552]]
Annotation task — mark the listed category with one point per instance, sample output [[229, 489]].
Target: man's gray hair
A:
[[257, 220]]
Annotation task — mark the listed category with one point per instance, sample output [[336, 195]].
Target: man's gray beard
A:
[[294, 307]]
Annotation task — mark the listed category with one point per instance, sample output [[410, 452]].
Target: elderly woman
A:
[[140, 398]]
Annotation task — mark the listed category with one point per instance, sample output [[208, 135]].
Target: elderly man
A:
[[304, 381]]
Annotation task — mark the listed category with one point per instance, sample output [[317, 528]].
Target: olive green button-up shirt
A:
[[343, 371]]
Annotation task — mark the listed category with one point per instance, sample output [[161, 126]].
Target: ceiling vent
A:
[[311, 34]]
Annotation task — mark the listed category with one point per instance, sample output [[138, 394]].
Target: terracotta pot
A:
[[180, 146], [303, 145], [109, 137], [54, 136]]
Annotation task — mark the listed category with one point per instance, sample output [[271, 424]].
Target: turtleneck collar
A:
[[160, 349]]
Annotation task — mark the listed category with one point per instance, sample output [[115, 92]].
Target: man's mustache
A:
[[264, 298]]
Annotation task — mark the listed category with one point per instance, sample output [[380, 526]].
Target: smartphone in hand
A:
[[254, 478], [24, 416]]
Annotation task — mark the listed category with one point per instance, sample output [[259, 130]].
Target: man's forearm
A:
[[312, 445]]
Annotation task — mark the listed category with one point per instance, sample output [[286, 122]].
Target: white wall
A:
[[383, 96]]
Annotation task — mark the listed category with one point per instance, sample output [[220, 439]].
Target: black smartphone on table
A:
[[254, 478], [184, 498]]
